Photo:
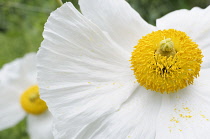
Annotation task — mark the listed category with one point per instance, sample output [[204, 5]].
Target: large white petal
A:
[[118, 18], [186, 114], [15, 78], [83, 75], [195, 23], [40, 126], [136, 119]]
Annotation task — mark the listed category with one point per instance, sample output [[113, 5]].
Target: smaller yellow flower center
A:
[[31, 102], [166, 61]]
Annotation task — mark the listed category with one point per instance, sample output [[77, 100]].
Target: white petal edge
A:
[[186, 114], [81, 72], [40, 126], [118, 19], [195, 23]]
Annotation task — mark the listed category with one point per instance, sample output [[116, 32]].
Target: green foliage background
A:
[[22, 23]]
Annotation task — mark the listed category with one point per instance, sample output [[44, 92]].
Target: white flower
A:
[[85, 72], [15, 78]]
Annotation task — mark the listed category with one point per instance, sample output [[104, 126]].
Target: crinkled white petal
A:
[[195, 23], [186, 114], [135, 118], [83, 75], [15, 78], [118, 19], [40, 126]]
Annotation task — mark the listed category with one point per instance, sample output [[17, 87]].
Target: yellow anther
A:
[[31, 102]]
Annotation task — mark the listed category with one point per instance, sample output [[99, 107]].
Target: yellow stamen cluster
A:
[[166, 61], [31, 102]]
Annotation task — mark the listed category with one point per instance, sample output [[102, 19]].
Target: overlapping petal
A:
[[84, 76], [118, 19], [136, 118]]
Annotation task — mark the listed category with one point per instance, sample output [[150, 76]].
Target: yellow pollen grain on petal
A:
[[173, 119], [166, 61], [203, 116], [31, 102], [185, 116]]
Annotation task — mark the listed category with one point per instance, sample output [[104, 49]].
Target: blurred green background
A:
[[22, 23]]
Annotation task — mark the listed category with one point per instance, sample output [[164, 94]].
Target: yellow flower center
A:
[[166, 61], [31, 102]]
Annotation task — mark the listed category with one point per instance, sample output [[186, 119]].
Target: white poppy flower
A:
[[107, 74], [19, 95]]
